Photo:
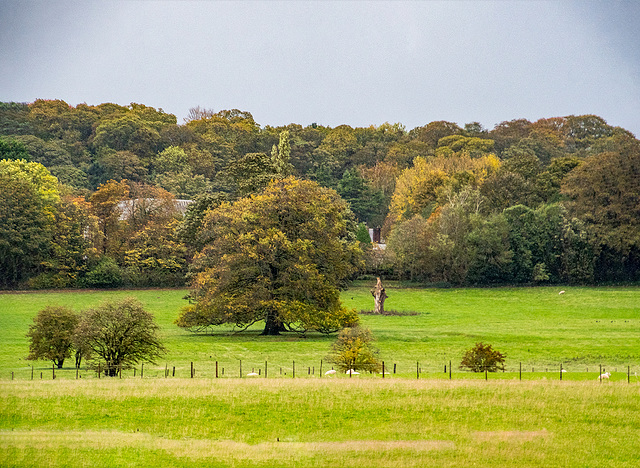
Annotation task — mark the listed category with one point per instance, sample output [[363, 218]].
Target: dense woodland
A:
[[551, 201]]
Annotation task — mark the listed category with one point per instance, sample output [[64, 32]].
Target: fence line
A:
[[559, 372]]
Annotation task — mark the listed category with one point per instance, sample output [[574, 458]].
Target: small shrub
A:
[[353, 350], [482, 358]]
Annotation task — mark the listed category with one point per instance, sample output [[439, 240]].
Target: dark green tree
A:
[[13, 149], [51, 335], [365, 202]]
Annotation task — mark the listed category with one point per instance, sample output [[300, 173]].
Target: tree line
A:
[[88, 196]]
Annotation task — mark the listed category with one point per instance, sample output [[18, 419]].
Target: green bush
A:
[[483, 358], [50, 280], [106, 274]]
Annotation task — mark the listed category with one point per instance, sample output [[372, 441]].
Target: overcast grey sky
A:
[[356, 63]]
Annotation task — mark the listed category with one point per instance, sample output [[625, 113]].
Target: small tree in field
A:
[[118, 335], [483, 358], [353, 350], [51, 335]]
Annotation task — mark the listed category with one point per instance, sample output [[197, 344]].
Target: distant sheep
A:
[[252, 374], [330, 372], [561, 292], [606, 375], [352, 372]]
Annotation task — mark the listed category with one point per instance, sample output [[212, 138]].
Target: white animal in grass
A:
[[606, 375], [561, 292], [252, 374], [352, 372], [330, 372]]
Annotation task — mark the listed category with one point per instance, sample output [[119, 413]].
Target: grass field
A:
[[581, 329], [332, 423], [338, 421]]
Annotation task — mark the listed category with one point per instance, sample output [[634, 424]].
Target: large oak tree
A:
[[279, 257]]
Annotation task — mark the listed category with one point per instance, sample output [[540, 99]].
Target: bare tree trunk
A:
[[379, 296]]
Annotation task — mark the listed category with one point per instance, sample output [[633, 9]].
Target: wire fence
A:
[[321, 369]]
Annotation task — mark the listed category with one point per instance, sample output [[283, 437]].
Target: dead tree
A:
[[379, 296]]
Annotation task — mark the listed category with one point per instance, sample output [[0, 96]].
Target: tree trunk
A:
[[379, 296], [272, 326], [58, 363]]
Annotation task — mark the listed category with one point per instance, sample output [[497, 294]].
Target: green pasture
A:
[[538, 327], [312, 423], [341, 421]]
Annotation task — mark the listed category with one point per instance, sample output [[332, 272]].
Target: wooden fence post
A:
[[192, 369], [142, 371], [417, 369], [449, 370], [240, 368], [294, 369], [99, 370], [561, 372], [486, 374], [521, 371], [53, 368], [174, 372], [265, 369], [31, 372], [216, 369], [628, 374], [600, 374], [394, 368], [320, 368]]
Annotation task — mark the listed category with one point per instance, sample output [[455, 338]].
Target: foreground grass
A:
[[338, 423], [581, 329]]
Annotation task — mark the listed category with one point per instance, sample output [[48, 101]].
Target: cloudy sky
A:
[[358, 62]]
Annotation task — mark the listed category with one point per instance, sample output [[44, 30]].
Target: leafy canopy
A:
[[117, 335]]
